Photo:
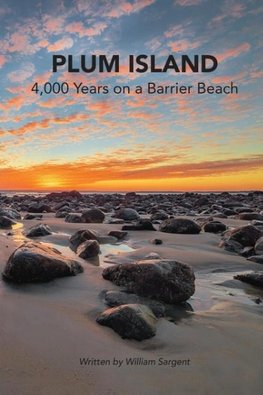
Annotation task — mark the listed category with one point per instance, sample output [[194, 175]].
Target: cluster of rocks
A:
[[148, 286], [246, 241], [88, 208]]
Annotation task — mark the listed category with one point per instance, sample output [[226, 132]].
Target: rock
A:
[[231, 246], [39, 230], [247, 252], [93, 216], [250, 216], [179, 225], [245, 235], [143, 224], [64, 195], [259, 246], [118, 234], [10, 213], [61, 214], [39, 208], [127, 214], [256, 258], [34, 262], [214, 227], [6, 222], [81, 236], [159, 216], [164, 280], [88, 249], [157, 241], [117, 298], [255, 278], [130, 195], [130, 321], [258, 224], [74, 218], [32, 216]]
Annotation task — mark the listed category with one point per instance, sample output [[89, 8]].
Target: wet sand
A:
[[46, 328]]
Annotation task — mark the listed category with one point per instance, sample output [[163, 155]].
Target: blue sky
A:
[[130, 142]]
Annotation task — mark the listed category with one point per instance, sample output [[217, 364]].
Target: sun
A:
[[49, 181]]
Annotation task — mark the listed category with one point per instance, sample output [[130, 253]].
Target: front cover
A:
[[131, 210]]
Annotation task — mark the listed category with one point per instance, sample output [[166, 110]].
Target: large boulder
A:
[[33, 216], [159, 216], [119, 234], [117, 298], [81, 236], [35, 262], [93, 216], [10, 213], [255, 278], [245, 235], [251, 216], [164, 280], [180, 225], [74, 218], [39, 230], [142, 224], [127, 214], [6, 222], [88, 249], [39, 208], [130, 321], [214, 227]]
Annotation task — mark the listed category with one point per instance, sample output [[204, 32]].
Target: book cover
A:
[[131, 210]]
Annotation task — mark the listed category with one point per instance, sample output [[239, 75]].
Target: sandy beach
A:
[[46, 328]]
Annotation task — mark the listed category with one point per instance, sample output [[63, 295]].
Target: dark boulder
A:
[[159, 216], [74, 218], [255, 278], [118, 234], [214, 227], [81, 236], [251, 216], [180, 225], [245, 235], [39, 230], [6, 222], [94, 215], [33, 216], [117, 298], [10, 213], [39, 208], [127, 214], [163, 280], [35, 262], [88, 249], [130, 321], [143, 224]]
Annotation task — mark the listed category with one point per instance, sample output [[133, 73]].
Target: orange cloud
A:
[[60, 45], [233, 52], [47, 123], [116, 10], [2, 60], [183, 45], [125, 169]]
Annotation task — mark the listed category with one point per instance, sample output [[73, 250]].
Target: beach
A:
[[50, 340]]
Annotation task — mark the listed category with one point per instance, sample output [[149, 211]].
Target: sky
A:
[[130, 142]]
